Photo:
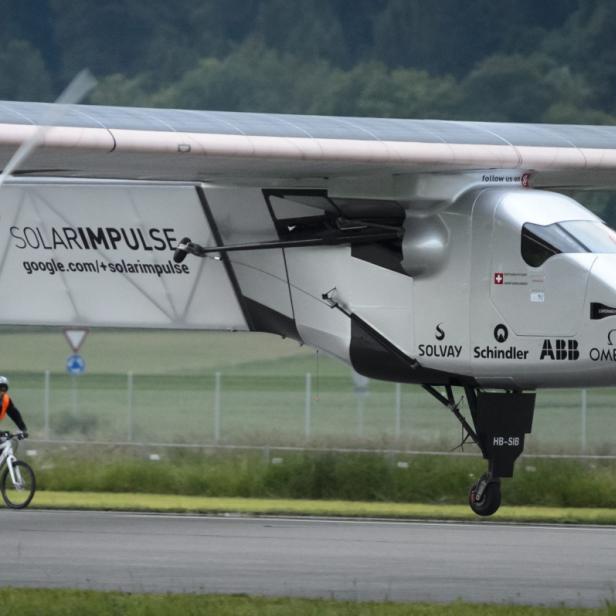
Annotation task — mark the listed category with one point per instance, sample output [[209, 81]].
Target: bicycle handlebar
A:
[[6, 435]]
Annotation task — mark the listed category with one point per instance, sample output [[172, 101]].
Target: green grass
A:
[[166, 503], [31, 602], [347, 477], [145, 352]]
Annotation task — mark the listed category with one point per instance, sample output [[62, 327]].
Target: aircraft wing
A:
[[77, 249], [239, 148]]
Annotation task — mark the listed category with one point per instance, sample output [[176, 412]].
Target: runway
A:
[[359, 560]]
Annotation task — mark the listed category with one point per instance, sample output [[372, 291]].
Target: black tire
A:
[[15, 497], [490, 499]]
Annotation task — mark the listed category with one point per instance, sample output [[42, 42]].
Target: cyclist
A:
[[8, 408]]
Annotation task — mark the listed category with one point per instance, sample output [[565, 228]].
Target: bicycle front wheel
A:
[[18, 494]]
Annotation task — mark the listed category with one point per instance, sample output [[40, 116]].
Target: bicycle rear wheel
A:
[[19, 494]]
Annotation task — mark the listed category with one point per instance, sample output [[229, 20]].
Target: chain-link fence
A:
[[238, 408]]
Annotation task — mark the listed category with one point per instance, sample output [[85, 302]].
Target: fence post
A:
[[360, 416], [308, 405], [398, 410], [217, 381], [76, 410], [360, 387], [583, 409], [46, 396], [129, 396]]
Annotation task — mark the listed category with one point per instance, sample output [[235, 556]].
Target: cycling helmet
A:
[[4, 382]]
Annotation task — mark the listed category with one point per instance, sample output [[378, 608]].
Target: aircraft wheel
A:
[[485, 496]]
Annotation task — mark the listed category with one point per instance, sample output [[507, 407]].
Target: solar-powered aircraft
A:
[[429, 252]]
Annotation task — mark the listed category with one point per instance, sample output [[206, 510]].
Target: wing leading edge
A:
[[237, 148]]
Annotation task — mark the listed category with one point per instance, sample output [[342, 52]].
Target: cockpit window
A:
[[540, 242], [594, 236]]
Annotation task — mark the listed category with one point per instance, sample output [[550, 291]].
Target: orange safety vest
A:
[[6, 400]]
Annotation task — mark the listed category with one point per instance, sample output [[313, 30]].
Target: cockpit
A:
[[540, 242], [547, 252]]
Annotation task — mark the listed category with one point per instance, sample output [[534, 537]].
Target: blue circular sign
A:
[[75, 364]]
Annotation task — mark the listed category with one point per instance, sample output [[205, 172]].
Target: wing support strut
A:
[[454, 407], [331, 299], [346, 232]]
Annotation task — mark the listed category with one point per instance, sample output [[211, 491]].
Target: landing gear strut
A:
[[501, 420]]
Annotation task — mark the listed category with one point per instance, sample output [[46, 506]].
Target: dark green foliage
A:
[[357, 477], [515, 60], [23, 74]]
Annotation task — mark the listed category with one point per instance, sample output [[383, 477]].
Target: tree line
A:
[[511, 60]]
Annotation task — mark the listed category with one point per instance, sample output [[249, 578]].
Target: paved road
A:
[[314, 558]]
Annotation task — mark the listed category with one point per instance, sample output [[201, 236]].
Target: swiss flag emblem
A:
[[499, 278]]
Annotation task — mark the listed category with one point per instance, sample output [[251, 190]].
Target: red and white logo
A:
[[499, 278]]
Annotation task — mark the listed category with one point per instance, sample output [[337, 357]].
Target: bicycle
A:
[[17, 483]]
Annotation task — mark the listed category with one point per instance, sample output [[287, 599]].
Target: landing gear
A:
[[501, 420], [484, 497]]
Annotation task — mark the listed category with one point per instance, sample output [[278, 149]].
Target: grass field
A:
[[262, 397], [31, 602], [389, 480], [171, 503]]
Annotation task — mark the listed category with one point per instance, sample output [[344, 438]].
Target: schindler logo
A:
[[560, 350], [501, 333]]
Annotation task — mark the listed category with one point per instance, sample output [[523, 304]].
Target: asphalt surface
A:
[[398, 561]]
